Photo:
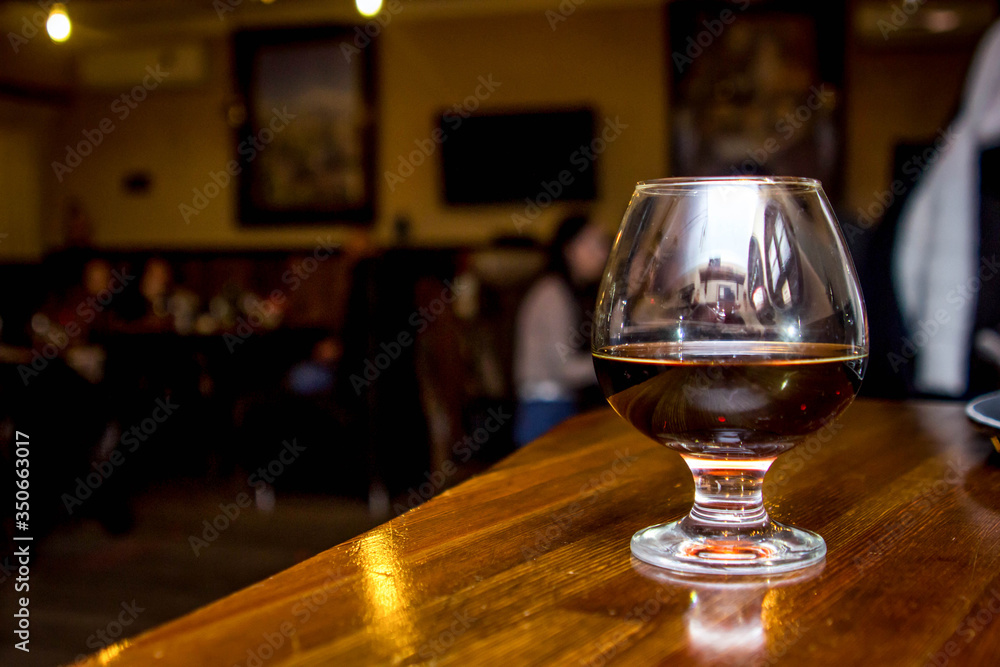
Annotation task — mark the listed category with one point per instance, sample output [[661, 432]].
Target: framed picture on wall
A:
[[756, 88], [305, 146]]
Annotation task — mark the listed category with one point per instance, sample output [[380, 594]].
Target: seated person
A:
[[552, 361]]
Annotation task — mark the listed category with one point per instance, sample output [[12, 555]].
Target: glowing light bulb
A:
[[368, 7], [58, 25]]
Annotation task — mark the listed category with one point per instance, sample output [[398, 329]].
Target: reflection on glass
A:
[[744, 268]]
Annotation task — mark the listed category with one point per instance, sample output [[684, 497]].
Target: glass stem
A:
[[728, 495]]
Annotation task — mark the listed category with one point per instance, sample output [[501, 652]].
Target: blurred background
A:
[[262, 261]]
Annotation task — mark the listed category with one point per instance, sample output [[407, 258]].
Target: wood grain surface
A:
[[529, 563]]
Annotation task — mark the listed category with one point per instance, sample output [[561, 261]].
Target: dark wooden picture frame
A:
[[305, 147], [756, 88]]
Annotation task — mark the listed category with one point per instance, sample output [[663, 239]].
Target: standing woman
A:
[[553, 368]]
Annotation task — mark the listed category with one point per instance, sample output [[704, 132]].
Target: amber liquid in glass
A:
[[723, 399]]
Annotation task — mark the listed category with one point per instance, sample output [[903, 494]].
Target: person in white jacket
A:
[[936, 269]]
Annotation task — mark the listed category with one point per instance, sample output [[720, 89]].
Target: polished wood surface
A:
[[529, 563]]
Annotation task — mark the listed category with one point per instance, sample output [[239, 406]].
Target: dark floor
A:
[[85, 581]]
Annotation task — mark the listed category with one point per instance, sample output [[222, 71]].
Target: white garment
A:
[[548, 364], [935, 262]]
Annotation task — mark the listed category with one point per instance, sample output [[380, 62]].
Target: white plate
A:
[[985, 410]]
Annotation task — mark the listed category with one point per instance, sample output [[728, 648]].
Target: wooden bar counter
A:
[[529, 563]]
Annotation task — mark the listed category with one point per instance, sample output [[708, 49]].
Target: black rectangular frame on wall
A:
[[542, 141], [305, 146], [737, 69]]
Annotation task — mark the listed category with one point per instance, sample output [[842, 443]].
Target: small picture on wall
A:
[[306, 144]]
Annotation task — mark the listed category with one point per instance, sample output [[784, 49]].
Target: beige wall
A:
[[894, 96], [30, 57], [20, 199], [40, 70], [611, 60], [605, 56]]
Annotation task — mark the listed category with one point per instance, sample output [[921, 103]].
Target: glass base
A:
[[767, 549]]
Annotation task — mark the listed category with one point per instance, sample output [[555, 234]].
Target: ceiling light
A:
[[58, 25], [368, 7]]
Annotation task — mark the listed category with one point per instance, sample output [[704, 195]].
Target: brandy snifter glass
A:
[[729, 327]]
